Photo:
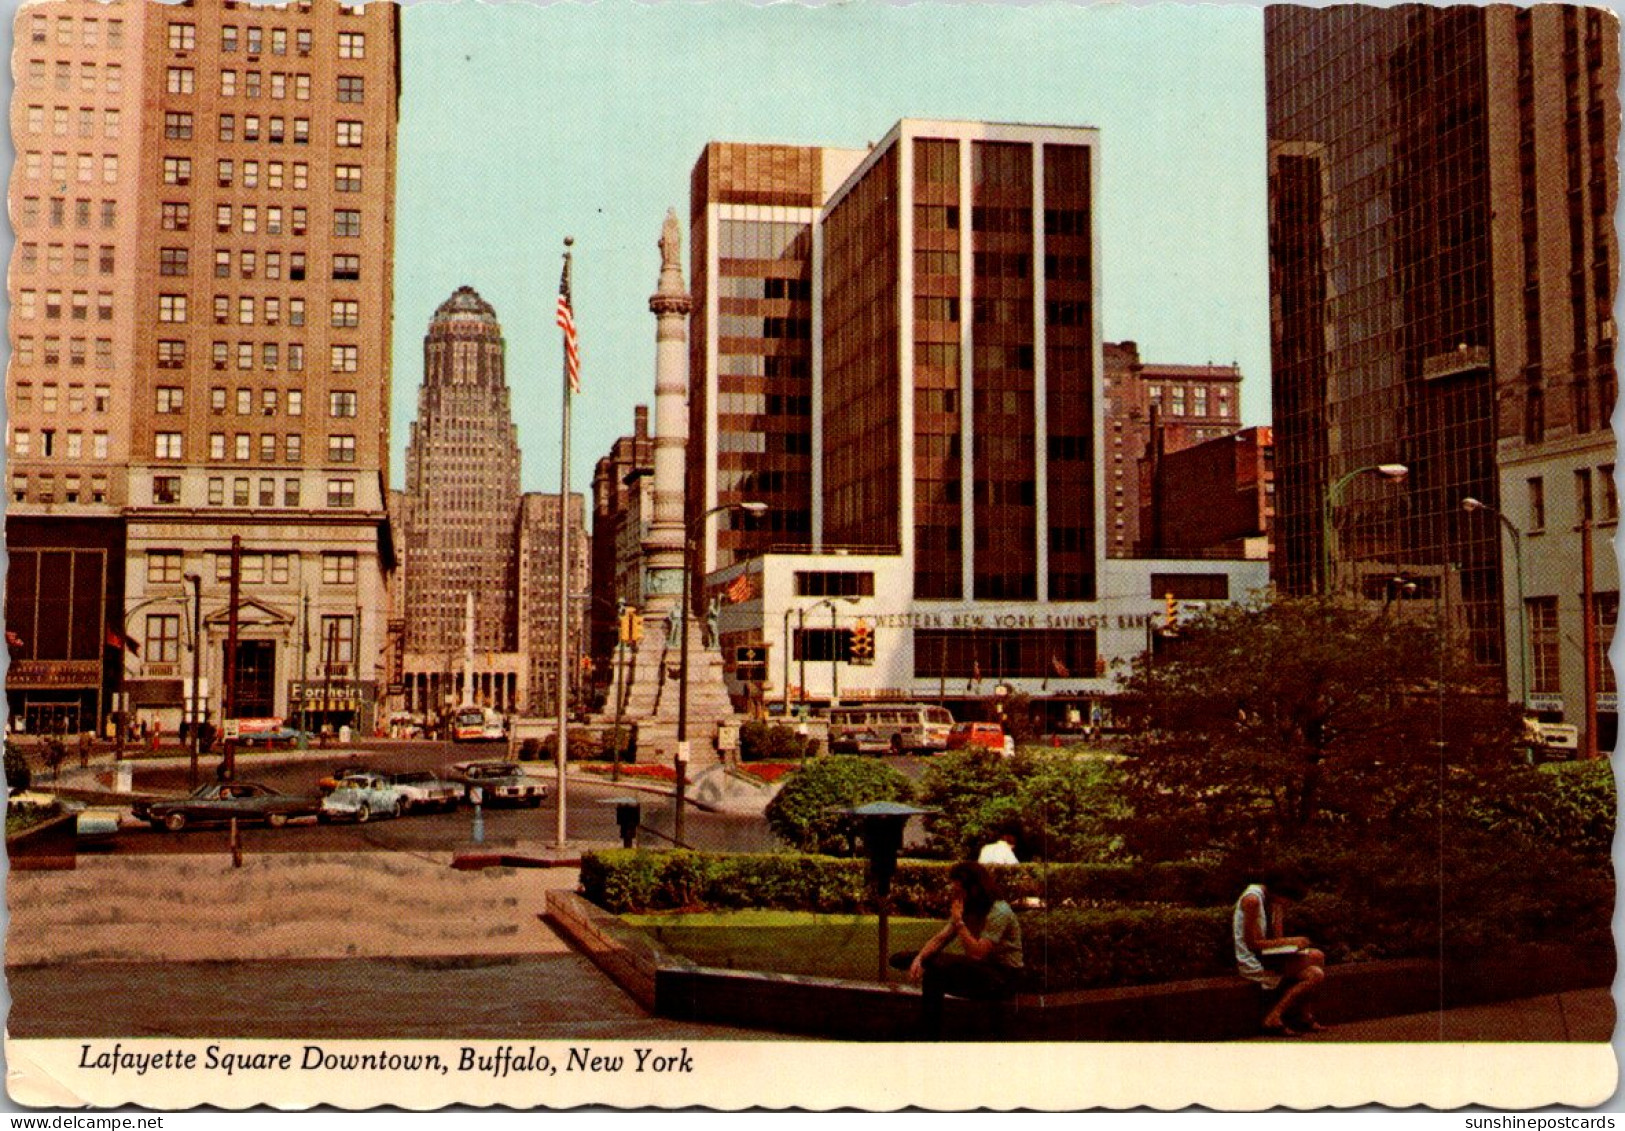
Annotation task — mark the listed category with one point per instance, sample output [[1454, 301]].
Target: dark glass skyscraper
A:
[[1441, 275]]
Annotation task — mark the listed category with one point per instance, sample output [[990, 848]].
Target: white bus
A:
[[478, 724], [900, 727]]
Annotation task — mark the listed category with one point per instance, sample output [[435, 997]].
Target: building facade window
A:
[[1544, 647]]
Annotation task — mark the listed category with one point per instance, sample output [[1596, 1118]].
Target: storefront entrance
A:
[[256, 678]]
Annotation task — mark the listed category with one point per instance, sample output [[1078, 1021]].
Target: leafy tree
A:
[[18, 775], [1263, 722], [1061, 806], [800, 813]]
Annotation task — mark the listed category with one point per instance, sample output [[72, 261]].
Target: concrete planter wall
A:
[[1206, 1009]]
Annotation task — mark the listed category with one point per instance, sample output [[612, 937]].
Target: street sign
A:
[[231, 730]]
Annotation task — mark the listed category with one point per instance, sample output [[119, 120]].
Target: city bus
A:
[[901, 727], [477, 724]]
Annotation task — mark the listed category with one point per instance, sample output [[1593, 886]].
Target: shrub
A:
[[584, 746], [18, 775], [773, 742], [800, 813], [529, 750]]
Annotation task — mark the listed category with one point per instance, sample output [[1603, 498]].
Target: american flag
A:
[[740, 589], [1060, 668], [567, 322]]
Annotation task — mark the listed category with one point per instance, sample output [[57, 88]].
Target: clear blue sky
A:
[[522, 124]]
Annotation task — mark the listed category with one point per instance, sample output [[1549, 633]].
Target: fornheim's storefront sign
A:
[[53, 673]]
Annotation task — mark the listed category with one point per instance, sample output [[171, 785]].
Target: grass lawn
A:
[[783, 942]]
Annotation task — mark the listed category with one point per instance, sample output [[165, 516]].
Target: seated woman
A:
[[989, 938], [1266, 954]]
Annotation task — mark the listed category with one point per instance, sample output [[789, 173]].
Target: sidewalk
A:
[[1579, 1015]]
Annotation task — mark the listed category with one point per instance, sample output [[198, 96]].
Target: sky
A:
[[522, 124]]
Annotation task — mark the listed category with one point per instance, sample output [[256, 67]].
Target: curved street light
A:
[[1471, 504], [690, 538], [1390, 471]]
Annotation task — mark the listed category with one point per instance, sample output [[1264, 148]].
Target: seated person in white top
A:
[[1001, 851], [1266, 954]]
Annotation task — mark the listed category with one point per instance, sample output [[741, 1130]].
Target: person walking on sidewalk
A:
[[1266, 954]]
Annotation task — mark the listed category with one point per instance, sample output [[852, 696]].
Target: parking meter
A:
[[628, 816]]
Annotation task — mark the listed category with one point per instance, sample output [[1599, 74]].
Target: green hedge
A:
[[630, 880], [1361, 905], [1089, 949]]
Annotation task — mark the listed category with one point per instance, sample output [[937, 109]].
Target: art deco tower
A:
[[462, 485]]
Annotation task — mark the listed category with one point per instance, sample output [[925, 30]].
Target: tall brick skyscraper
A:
[[202, 292]]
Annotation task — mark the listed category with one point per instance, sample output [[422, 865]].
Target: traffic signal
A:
[[631, 625], [863, 643]]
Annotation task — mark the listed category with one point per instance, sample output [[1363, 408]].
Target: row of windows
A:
[[1172, 399], [108, 79], [166, 491], [174, 309], [72, 488], [176, 262], [166, 567], [1587, 505], [62, 117], [29, 214], [253, 40], [241, 447], [90, 31], [100, 398], [58, 445], [171, 400], [84, 167], [51, 352]]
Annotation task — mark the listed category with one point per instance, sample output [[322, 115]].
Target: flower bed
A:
[[631, 770], [768, 772]]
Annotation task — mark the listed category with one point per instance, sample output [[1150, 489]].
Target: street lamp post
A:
[[197, 673], [690, 541], [1472, 504], [785, 637], [1393, 471]]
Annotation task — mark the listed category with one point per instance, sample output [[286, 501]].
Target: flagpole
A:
[[562, 747]]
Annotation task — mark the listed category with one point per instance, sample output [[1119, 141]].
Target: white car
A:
[[361, 797], [422, 790]]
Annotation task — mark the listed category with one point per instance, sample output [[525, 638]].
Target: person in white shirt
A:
[[1001, 851], [1266, 954]]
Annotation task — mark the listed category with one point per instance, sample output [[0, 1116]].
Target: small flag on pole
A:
[[739, 589], [567, 322]]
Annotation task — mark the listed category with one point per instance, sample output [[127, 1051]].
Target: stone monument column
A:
[[651, 701], [663, 547]]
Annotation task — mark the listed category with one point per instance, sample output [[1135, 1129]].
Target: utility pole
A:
[[1588, 635], [228, 762]]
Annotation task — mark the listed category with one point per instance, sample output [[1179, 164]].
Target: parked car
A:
[[360, 797], [280, 736], [500, 783], [422, 790], [987, 736], [221, 801]]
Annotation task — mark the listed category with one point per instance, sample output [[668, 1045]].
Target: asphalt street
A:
[[588, 818]]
